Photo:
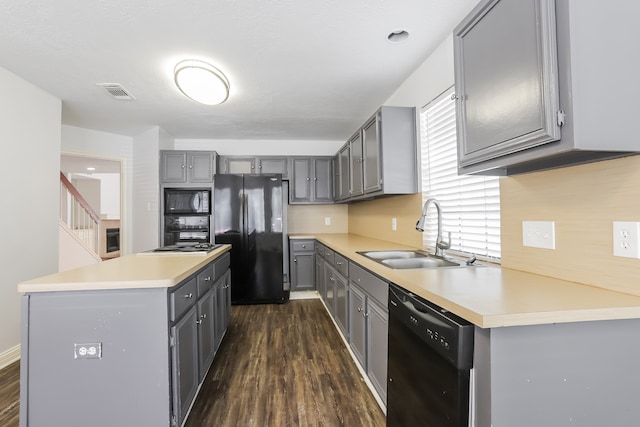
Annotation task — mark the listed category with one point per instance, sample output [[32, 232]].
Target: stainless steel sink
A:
[[407, 259], [427, 262], [380, 255]]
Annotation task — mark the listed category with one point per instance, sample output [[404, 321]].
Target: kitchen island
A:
[[122, 342], [547, 352]]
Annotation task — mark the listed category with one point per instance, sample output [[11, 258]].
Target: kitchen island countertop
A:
[[490, 296], [162, 270]]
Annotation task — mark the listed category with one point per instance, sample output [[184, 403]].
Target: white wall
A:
[[30, 138], [263, 147], [430, 79], [113, 147], [109, 195], [146, 189]]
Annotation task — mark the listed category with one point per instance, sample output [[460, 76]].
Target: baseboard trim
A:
[[9, 356], [304, 295]]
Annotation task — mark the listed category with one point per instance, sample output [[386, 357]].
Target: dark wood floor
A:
[[10, 395], [284, 365], [279, 365]]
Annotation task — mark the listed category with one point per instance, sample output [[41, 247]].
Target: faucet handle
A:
[[444, 245]]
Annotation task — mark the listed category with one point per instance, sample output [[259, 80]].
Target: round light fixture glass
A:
[[201, 82]]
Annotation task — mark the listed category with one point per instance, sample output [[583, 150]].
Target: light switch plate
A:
[[394, 224], [327, 220], [539, 234], [625, 239]]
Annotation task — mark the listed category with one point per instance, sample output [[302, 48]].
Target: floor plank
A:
[[10, 395], [284, 365]]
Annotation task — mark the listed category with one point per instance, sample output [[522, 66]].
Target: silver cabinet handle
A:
[[359, 309], [295, 260], [338, 263], [189, 295], [207, 279], [365, 314], [203, 316], [304, 246], [198, 322]]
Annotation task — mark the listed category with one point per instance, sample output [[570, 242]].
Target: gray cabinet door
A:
[[322, 181], [207, 340], [356, 187], [223, 305], [300, 187], [506, 79], [357, 323], [371, 156], [320, 277], [330, 288], [236, 165], [377, 343], [173, 166], [201, 166], [184, 363], [272, 165], [345, 169], [341, 304], [303, 269]]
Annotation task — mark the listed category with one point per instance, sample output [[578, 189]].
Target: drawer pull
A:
[[198, 322], [207, 279], [203, 316], [359, 309], [189, 295]]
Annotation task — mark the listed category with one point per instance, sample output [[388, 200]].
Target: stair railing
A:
[[76, 212]]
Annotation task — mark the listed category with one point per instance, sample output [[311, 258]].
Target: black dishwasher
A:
[[430, 358]]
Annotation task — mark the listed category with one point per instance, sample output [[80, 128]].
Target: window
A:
[[470, 204]]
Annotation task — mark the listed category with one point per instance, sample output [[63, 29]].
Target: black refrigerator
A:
[[248, 214]]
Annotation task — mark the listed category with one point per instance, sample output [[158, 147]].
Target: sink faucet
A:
[[441, 245]]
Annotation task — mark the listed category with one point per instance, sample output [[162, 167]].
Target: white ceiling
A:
[[299, 69]]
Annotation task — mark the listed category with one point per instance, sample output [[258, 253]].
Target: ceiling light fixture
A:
[[398, 36], [91, 168], [201, 82]]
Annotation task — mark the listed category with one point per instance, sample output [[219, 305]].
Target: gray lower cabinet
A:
[[538, 97], [187, 166], [357, 300], [302, 264], [196, 335]]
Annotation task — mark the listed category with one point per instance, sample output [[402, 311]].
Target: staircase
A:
[[79, 229]]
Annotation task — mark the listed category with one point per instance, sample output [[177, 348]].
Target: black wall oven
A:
[[186, 216], [430, 358]]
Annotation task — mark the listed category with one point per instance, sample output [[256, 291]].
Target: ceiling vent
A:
[[117, 91]]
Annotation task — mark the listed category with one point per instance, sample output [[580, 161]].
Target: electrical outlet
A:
[[625, 239], [539, 234], [87, 351], [394, 224], [327, 220]]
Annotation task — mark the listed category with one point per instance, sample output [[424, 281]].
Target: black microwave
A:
[[187, 201]]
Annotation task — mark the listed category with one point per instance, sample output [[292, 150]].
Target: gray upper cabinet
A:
[[311, 180], [382, 156], [187, 166], [533, 84], [256, 165]]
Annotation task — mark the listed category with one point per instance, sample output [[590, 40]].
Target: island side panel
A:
[[571, 374], [128, 385]]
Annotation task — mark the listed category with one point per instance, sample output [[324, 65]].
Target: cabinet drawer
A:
[[342, 265], [320, 249], [375, 287], [182, 299], [328, 254], [302, 245], [205, 279], [221, 265]]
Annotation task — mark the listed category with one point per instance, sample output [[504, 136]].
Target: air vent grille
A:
[[117, 91]]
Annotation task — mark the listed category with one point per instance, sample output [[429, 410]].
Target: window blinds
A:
[[470, 204]]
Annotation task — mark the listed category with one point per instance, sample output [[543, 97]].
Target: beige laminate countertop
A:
[[162, 270], [491, 296]]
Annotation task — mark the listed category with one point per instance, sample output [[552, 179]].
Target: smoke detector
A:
[[117, 91]]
